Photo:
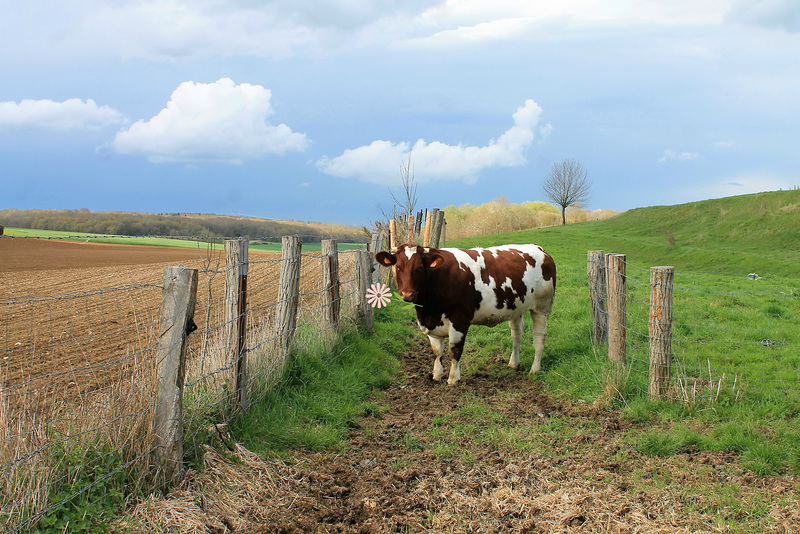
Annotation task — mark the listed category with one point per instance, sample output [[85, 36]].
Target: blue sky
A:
[[307, 109]]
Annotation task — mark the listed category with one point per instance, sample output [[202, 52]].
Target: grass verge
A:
[[323, 392]]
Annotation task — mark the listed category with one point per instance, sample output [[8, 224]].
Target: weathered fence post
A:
[[596, 275], [392, 235], [660, 328], [374, 248], [616, 302], [427, 241], [236, 261], [436, 230], [288, 290], [363, 265], [330, 278], [411, 236], [174, 324]]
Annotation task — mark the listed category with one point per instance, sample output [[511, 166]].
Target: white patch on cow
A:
[[410, 251], [454, 335], [441, 331]]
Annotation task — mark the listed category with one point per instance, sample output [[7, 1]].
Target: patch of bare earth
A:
[[407, 470]]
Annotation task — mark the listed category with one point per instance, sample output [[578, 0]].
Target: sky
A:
[[309, 109]]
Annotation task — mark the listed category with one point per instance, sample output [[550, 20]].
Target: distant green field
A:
[[158, 241]]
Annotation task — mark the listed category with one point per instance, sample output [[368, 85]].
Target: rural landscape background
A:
[[354, 437]]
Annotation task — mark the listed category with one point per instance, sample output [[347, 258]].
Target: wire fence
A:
[[80, 376], [729, 336]]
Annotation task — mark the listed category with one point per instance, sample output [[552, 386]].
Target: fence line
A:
[[700, 336], [81, 371]]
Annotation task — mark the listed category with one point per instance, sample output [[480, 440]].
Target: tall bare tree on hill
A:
[[567, 184]]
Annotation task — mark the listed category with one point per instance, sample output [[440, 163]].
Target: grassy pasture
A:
[[736, 340]]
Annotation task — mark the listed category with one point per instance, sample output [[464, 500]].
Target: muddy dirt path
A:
[[494, 454]]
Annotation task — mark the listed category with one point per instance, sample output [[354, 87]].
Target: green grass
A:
[[159, 241], [322, 394], [735, 340]]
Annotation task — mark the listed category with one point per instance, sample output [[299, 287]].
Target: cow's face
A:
[[412, 264]]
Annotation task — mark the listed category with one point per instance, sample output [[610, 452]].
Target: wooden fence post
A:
[[427, 241], [236, 261], [436, 230], [174, 324], [363, 265], [411, 236], [375, 247], [288, 290], [616, 302], [392, 236], [330, 277], [660, 328], [596, 275]]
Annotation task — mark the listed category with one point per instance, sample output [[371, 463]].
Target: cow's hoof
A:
[[514, 367], [434, 378], [452, 382]]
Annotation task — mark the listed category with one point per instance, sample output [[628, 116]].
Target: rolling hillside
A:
[[721, 235]]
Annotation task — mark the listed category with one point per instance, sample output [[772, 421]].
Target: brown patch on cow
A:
[[549, 269], [507, 265], [451, 275]]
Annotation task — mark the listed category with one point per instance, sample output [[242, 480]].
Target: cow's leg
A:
[[517, 326], [437, 344], [539, 335], [456, 347]]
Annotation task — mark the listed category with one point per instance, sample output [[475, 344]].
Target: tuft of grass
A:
[[90, 489], [765, 459]]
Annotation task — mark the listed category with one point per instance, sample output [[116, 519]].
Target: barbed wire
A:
[[109, 397]]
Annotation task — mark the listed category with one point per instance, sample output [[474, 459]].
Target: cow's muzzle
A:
[[407, 296]]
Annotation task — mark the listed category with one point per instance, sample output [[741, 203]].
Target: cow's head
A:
[[412, 265]]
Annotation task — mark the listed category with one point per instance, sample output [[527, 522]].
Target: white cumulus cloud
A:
[[379, 162], [72, 114], [218, 121]]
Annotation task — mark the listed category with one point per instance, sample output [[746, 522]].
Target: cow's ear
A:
[[434, 260], [386, 258]]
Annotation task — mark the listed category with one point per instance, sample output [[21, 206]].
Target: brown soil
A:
[[26, 255], [424, 463]]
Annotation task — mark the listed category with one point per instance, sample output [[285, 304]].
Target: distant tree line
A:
[[173, 225]]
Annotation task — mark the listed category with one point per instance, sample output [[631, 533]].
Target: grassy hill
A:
[[748, 233]]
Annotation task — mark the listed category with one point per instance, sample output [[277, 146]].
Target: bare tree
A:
[[403, 204], [567, 184]]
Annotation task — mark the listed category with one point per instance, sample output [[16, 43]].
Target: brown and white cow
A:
[[455, 288]]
